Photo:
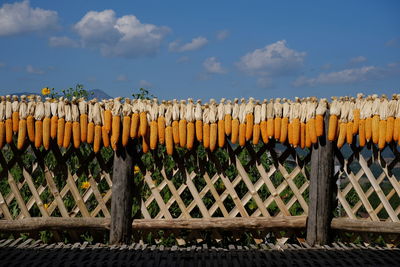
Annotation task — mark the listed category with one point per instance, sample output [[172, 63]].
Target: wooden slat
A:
[[4, 208], [18, 197], [35, 194], [156, 194], [251, 188], [378, 190], [96, 192], [195, 194]]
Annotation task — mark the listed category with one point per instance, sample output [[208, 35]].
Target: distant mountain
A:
[[97, 93]]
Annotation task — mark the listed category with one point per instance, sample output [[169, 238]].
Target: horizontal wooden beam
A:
[[251, 223], [362, 225], [54, 223]]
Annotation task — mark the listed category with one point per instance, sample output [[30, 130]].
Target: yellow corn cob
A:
[[221, 133], [235, 131], [38, 133], [169, 142], [161, 130], [153, 135], [284, 130], [382, 134], [134, 132], [199, 130], [264, 131], [182, 133], [190, 135], [249, 126], [21, 134]]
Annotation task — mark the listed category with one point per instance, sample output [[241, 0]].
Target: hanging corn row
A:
[[297, 122]]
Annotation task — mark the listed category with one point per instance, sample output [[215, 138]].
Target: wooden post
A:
[[322, 186], [122, 195]]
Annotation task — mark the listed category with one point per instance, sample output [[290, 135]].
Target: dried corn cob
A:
[[182, 124], [235, 122], [15, 114], [9, 122], [175, 121], [319, 118], [228, 118], [333, 119], [198, 114], [396, 130], [221, 123], [263, 122], [90, 132], [76, 128], [278, 118], [61, 121], [116, 123], [383, 112], [213, 125], [257, 121], [47, 123], [2, 123], [161, 123], [23, 113], [296, 122], [83, 119], [285, 121], [153, 124], [68, 125], [344, 112], [270, 119], [108, 106], [206, 126], [97, 128], [134, 132], [143, 110], [390, 118], [126, 122], [54, 118], [375, 119], [39, 116], [105, 134], [30, 120], [242, 123], [169, 141], [249, 116], [190, 124]]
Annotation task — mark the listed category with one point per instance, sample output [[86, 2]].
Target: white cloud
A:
[[358, 59], [264, 82], [145, 84], [195, 44], [62, 41], [212, 65], [182, 59], [32, 70], [393, 43], [20, 17], [326, 66], [119, 37], [122, 78], [274, 59], [222, 35], [346, 76]]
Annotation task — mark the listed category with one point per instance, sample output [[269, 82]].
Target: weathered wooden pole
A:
[[322, 187], [122, 195]]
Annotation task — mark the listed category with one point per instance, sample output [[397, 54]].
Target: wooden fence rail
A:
[[267, 187]]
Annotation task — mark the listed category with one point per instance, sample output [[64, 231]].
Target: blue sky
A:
[[202, 49]]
